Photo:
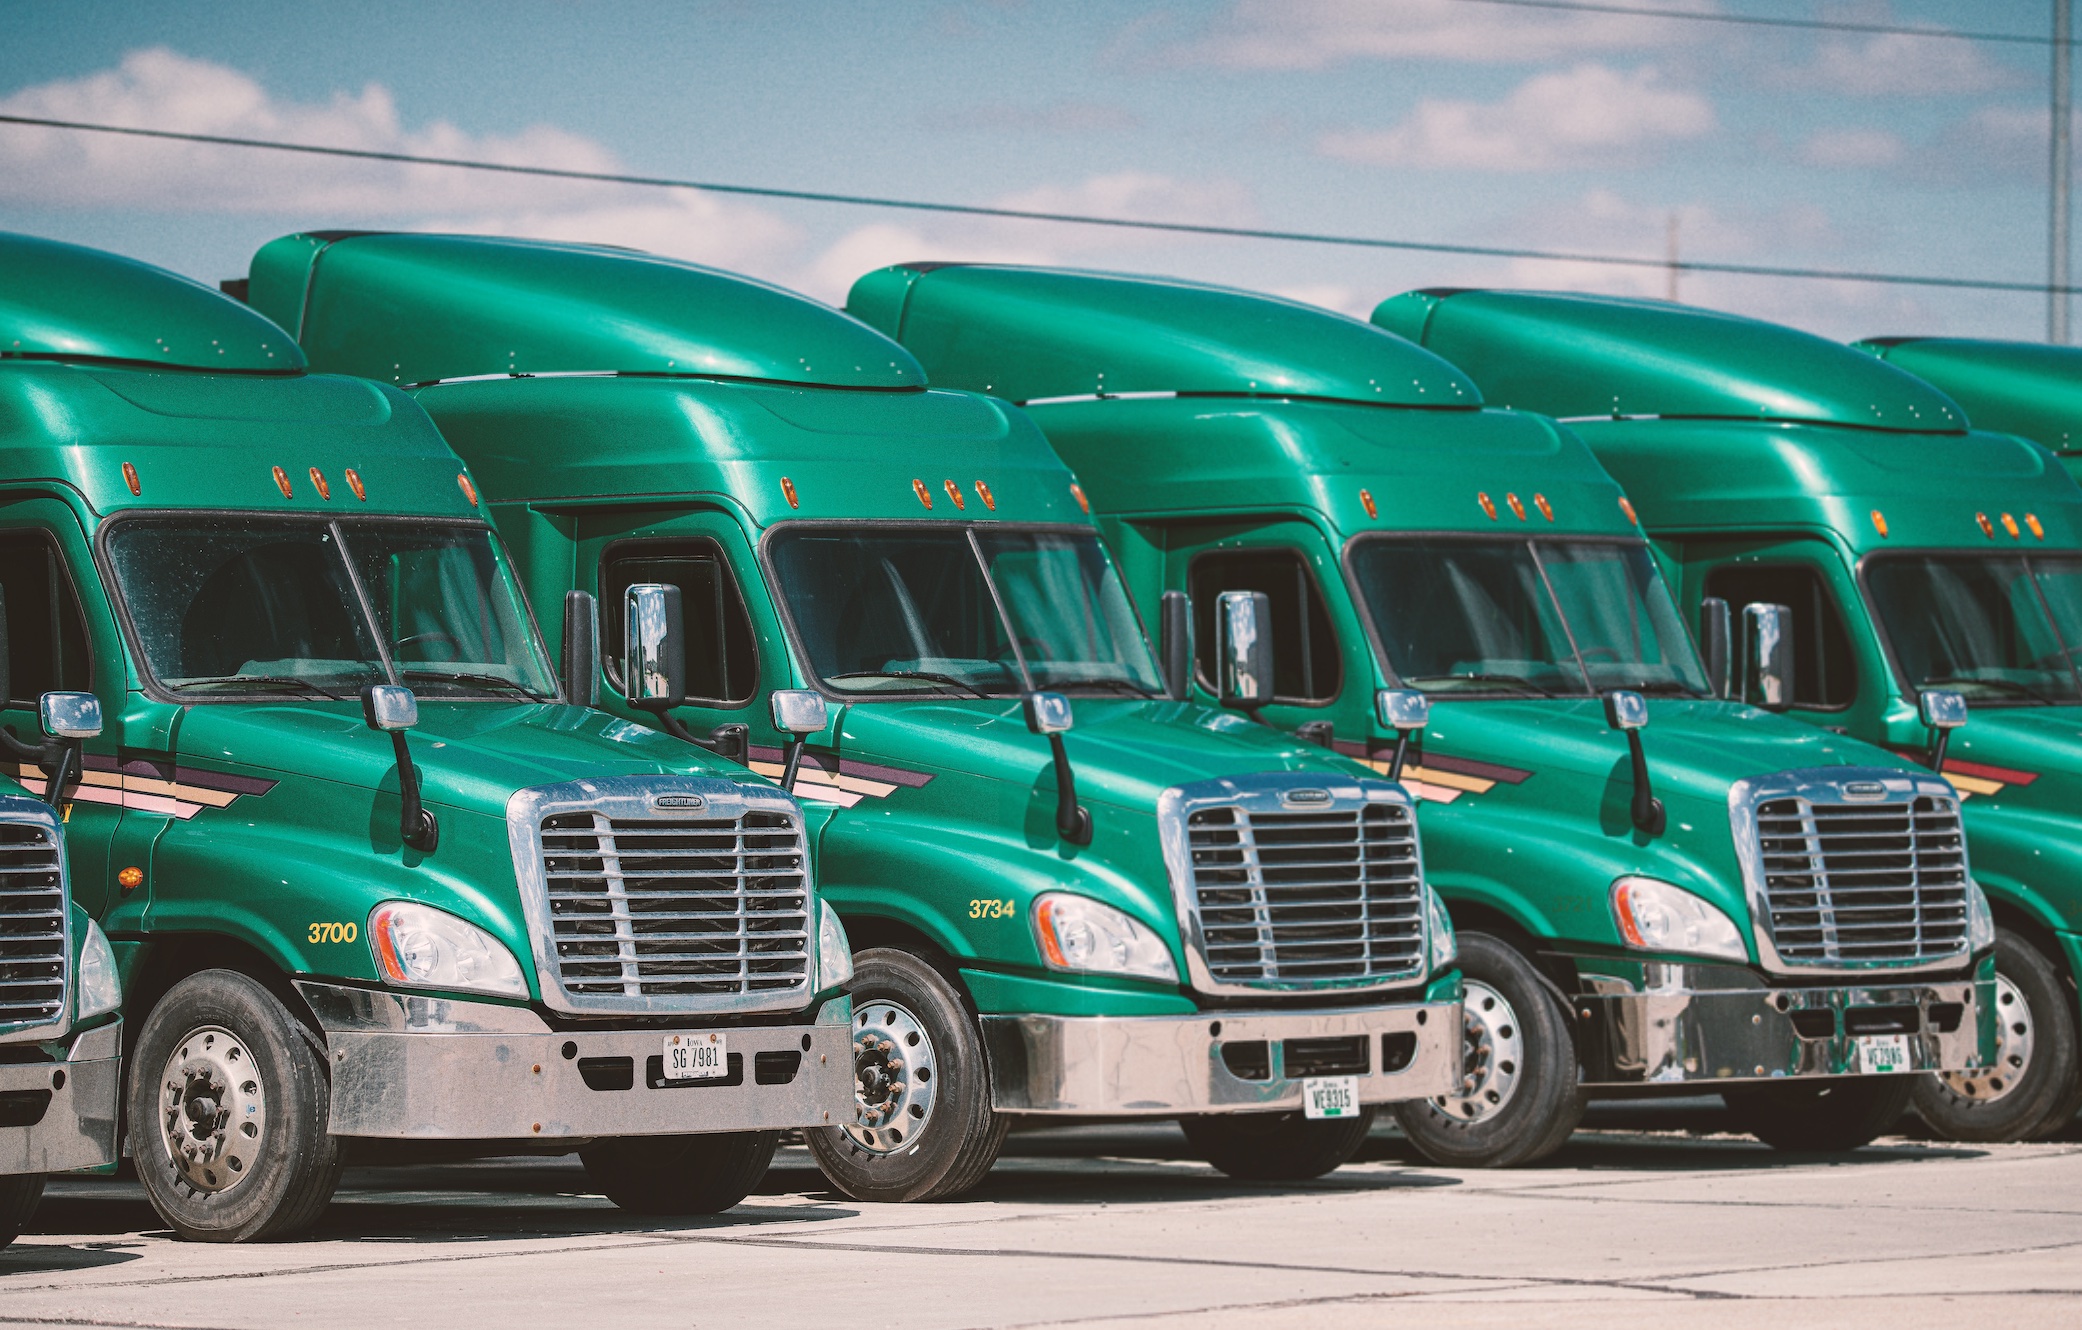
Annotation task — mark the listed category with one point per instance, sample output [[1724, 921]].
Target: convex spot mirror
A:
[[654, 661], [1626, 711], [1942, 710], [389, 707], [799, 711], [1767, 656], [1243, 629], [1402, 709], [69, 715], [1048, 713]]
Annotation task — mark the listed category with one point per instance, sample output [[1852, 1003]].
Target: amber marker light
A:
[[1077, 493], [1879, 523], [462, 479], [2032, 521], [989, 500], [1987, 527], [1546, 508], [130, 879], [2009, 524], [130, 479], [354, 483], [1517, 508], [325, 491], [788, 492], [954, 493], [1366, 501], [1626, 506], [282, 483], [925, 496], [1488, 508]]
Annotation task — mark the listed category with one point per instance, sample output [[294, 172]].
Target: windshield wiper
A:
[[1126, 685], [1510, 680], [2011, 685], [460, 676], [259, 683], [1663, 687], [925, 675]]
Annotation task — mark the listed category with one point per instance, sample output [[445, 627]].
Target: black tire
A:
[[680, 1175], [2033, 1088], [912, 1151], [1833, 1115], [1514, 1108], [18, 1197], [1277, 1147], [220, 1042]]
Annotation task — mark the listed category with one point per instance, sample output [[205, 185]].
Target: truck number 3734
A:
[[334, 932], [991, 909]]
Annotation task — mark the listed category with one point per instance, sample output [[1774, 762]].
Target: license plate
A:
[[1882, 1053], [696, 1057], [1330, 1097]]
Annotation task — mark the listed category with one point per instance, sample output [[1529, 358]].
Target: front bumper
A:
[[1674, 1024], [424, 1068], [63, 1114], [1165, 1066]]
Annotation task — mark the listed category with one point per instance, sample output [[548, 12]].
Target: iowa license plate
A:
[[1330, 1097], [696, 1057], [1879, 1054]]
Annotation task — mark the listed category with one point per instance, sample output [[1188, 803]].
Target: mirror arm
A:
[[416, 824], [58, 759], [1072, 822], [792, 761], [1940, 739], [1647, 810], [1402, 751]]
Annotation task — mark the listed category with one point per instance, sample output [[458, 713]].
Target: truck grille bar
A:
[[35, 939]]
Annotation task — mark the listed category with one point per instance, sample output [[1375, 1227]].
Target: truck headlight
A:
[[1445, 948], [422, 947], [1078, 933], [834, 951], [1656, 916], [1980, 920], [98, 990]]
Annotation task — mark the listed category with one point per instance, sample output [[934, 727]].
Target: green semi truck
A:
[[1643, 875], [370, 875], [1166, 911], [1913, 557]]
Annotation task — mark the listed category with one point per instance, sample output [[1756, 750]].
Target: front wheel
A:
[[680, 1175], [1833, 1115], [18, 1197], [2030, 1089], [923, 1128], [1519, 1095], [1277, 1147], [229, 1102]]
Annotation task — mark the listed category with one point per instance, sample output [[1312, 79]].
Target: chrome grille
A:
[[693, 908], [1304, 897], [1851, 883], [34, 939]]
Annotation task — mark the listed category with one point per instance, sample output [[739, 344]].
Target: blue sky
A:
[[1449, 120]]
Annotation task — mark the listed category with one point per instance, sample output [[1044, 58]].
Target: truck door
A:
[[1834, 684], [1308, 665]]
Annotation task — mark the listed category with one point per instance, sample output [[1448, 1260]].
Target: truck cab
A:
[[370, 874], [1071, 895], [1614, 840], [1914, 563]]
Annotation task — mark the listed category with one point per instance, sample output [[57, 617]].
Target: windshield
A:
[[1996, 628], [248, 606], [979, 612], [1534, 618]]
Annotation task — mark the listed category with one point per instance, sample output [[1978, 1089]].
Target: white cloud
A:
[[1316, 34], [1898, 65], [1591, 114], [1853, 148], [1332, 296]]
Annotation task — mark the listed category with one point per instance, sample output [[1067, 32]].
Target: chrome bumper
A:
[[435, 1069], [1680, 1024], [1165, 1066], [72, 1104]]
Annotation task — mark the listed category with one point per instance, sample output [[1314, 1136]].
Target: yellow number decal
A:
[[992, 909], [334, 932]]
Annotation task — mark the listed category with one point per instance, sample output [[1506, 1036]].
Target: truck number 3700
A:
[[334, 932]]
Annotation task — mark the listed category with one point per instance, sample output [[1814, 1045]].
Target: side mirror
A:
[[1175, 643], [1716, 643], [1943, 712], [798, 711], [1048, 713], [1767, 656], [1243, 622], [69, 715], [654, 657], [1627, 712], [389, 707], [581, 649], [1404, 710]]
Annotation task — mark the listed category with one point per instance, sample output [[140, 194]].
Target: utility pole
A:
[[1670, 261], [2063, 128]]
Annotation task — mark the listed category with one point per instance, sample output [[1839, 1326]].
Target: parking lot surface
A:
[[1630, 1225]]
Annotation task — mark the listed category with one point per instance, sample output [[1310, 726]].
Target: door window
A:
[[1305, 666], [722, 668], [46, 637], [1825, 675]]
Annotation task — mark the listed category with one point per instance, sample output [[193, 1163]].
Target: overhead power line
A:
[[1039, 215], [1760, 21]]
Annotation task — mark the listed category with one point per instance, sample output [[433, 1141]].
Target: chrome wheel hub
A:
[[2014, 1039], [1492, 1055], [212, 1114], [894, 1078]]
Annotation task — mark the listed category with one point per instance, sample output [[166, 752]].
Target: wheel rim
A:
[[2014, 1039], [212, 1112], [895, 1078], [1493, 1055]]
